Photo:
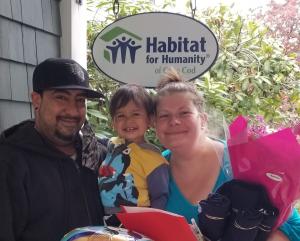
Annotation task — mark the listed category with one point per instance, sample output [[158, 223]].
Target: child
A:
[[133, 172]]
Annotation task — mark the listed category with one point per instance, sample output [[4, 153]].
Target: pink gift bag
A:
[[272, 161]]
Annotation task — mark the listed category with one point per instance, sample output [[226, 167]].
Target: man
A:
[[44, 190]]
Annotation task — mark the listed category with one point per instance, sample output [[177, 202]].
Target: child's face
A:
[[131, 122]]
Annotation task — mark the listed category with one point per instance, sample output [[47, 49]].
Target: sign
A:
[[139, 48]]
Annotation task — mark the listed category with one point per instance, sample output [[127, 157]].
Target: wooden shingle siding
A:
[[30, 70], [32, 13], [55, 17], [30, 43], [29, 33], [4, 43], [13, 112], [15, 42], [46, 46], [5, 8], [47, 15], [16, 10], [18, 80], [5, 87], [14, 81]]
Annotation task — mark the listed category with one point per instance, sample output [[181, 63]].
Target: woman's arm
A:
[[291, 227]]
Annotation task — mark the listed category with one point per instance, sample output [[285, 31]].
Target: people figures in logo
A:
[[122, 46]]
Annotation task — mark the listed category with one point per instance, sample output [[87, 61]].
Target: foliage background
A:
[[254, 75]]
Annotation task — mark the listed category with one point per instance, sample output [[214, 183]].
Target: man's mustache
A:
[[69, 118]]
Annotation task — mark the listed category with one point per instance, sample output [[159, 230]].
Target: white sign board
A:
[[139, 48]]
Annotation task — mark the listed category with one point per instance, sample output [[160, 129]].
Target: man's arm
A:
[[6, 220], [13, 195]]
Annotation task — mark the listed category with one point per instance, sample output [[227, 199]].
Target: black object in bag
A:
[[243, 225], [213, 216], [252, 215]]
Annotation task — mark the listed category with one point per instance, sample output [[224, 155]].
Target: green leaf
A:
[[239, 96], [267, 67], [245, 85], [265, 79], [97, 114]]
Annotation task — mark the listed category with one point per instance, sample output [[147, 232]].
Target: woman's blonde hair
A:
[[173, 82]]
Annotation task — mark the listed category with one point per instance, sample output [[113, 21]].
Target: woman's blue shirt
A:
[[177, 203]]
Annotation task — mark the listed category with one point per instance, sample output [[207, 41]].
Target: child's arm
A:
[[158, 186]]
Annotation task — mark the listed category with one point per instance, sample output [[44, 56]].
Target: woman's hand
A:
[[277, 236]]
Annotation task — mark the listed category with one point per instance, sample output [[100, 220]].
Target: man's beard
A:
[[69, 137], [65, 138]]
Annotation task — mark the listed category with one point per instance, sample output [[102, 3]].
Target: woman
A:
[[198, 164]]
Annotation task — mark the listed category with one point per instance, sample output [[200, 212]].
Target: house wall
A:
[[30, 32]]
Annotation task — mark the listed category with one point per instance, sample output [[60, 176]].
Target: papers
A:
[[157, 224]]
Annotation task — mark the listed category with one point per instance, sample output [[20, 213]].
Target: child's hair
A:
[[172, 82], [131, 92]]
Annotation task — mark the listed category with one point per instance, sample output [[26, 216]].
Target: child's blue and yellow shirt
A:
[[133, 175]]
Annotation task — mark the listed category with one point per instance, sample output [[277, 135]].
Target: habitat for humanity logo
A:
[[120, 42]]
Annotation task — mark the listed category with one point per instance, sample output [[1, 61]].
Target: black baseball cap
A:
[[59, 73]]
